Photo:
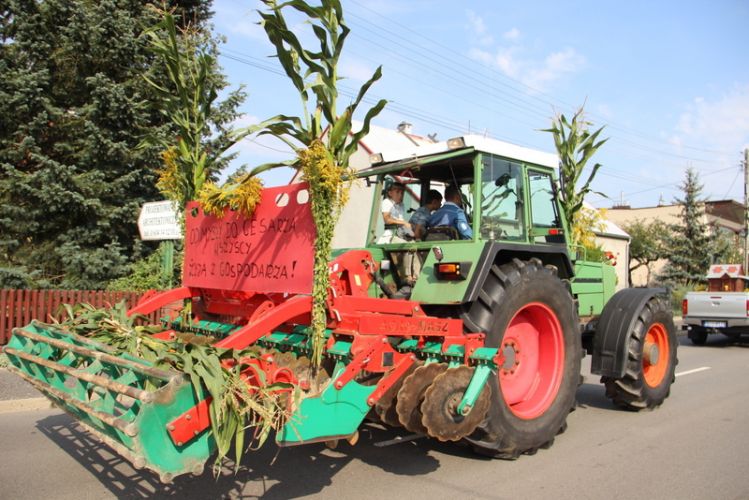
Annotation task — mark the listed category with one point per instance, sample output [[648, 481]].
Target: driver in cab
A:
[[452, 215]]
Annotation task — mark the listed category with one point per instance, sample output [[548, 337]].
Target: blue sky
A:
[[670, 80]]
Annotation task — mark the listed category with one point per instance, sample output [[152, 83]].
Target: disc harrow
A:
[[442, 416]]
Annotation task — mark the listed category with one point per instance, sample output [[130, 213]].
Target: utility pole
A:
[[746, 210]]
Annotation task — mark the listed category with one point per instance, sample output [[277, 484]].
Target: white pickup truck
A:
[[724, 308]]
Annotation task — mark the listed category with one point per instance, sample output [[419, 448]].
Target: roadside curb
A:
[[26, 404]]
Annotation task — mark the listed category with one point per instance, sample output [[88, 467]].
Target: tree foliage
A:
[[646, 244], [727, 247], [73, 109], [689, 243], [575, 145], [323, 158], [148, 273]]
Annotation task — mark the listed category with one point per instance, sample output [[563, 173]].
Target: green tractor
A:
[[484, 346]]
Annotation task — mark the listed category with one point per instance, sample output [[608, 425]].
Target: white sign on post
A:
[[158, 221]]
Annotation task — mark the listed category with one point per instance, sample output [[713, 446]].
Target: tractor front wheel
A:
[[535, 328], [651, 360]]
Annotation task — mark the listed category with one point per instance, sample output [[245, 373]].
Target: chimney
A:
[[404, 127]]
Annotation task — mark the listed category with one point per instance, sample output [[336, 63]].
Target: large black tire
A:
[[647, 382], [698, 335], [511, 289]]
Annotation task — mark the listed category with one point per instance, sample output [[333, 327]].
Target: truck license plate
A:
[[714, 324]]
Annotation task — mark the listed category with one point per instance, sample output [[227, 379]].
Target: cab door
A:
[[546, 225]]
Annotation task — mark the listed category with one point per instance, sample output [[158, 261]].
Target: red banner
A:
[[270, 252]]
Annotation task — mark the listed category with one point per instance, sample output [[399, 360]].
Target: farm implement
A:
[[486, 349]]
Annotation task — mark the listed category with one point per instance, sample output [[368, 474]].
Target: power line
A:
[[425, 116], [446, 123], [529, 93], [733, 182]]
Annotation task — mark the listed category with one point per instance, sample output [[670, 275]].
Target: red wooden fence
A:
[[19, 307]]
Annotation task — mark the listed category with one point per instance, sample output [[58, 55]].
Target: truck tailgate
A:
[[717, 304]]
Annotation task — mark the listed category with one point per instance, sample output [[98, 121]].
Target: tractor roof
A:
[[475, 143]]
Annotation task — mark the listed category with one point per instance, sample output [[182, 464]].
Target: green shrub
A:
[[678, 293], [146, 274]]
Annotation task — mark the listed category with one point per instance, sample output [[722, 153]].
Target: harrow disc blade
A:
[[385, 407], [125, 401], [439, 409], [411, 395]]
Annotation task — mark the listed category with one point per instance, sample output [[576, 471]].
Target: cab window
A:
[[544, 214], [501, 195]]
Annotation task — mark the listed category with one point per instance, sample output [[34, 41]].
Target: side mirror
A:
[[502, 180]]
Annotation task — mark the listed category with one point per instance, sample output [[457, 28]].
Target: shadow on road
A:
[[716, 340], [593, 395], [271, 472]]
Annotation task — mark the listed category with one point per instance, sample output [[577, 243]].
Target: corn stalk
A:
[[575, 146], [188, 99], [321, 137]]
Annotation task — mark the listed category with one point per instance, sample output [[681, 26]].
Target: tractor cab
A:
[[508, 192], [509, 197]]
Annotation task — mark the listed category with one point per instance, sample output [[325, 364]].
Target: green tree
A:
[[73, 109], [689, 243], [727, 248], [646, 245], [575, 145]]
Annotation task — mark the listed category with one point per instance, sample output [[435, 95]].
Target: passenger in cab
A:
[[397, 228], [452, 215], [421, 216]]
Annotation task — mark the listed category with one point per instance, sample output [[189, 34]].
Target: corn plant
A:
[[188, 100], [575, 146], [321, 137]]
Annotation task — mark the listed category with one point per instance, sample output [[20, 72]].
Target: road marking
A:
[[399, 439], [696, 370]]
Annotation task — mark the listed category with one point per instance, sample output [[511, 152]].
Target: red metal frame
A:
[[162, 299], [296, 308]]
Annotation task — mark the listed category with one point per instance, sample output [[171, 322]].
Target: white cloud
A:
[[245, 120], [355, 70], [718, 128], [511, 35], [535, 74], [239, 19], [721, 124], [478, 29], [604, 110], [555, 66], [515, 60]]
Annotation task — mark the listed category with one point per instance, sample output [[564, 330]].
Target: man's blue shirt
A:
[[452, 215], [420, 216]]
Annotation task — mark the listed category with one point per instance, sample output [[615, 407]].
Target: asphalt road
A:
[[695, 446]]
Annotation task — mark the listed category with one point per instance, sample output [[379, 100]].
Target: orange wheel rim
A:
[[655, 355]]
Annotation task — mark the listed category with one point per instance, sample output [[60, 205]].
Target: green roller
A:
[[123, 400]]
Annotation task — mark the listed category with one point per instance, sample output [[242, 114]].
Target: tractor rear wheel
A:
[[535, 327], [651, 360]]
